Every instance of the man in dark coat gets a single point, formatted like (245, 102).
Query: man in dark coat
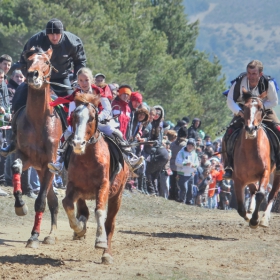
(67, 48)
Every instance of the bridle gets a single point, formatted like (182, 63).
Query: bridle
(264, 114)
(92, 139)
(48, 75)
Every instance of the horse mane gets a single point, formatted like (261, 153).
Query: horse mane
(92, 98)
(32, 51)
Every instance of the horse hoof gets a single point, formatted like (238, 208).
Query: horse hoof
(21, 211)
(107, 259)
(248, 217)
(101, 245)
(264, 223)
(34, 244)
(77, 237)
(252, 225)
(50, 240)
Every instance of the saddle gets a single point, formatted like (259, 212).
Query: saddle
(115, 153)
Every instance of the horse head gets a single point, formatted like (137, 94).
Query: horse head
(253, 113)
(85, 121)
(39, 66)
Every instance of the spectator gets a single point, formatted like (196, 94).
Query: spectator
(175, 147)
(122, 101)
(5, 65)
(193, 129)
(165, 175)
(216, 173)
(100, 82)
(225, 194)
(179, 124)
(158, 155)
(134, 104)
(16, 79)
(187, 162)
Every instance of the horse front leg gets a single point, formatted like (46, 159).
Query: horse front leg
(102, 195)
(253, 190)
(264, 222)
(254, 221)
(78, 225)
(21, 208)
(53, 206)
(114, 204)
(46, 178)
(240, 199)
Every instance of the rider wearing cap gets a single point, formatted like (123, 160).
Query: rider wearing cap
(67, 48)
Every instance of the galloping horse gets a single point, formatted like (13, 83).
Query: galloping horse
(38, 132)
(252, 162)
(89, 177)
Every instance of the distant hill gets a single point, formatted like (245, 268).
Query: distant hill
(237, 31)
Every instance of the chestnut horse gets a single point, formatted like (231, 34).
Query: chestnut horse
(38, 132)
(252, 162)
(89, 177)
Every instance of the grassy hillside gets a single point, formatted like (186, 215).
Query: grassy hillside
(238, 31)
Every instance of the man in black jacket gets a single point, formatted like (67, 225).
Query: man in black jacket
(67, 48)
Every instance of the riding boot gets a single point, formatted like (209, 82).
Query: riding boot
(57, 167)
(228, 168)
(227, 159)
(131, 159)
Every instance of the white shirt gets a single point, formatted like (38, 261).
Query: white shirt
(269, 102)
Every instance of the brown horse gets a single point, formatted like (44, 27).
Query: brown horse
(38, 132)
(252, 162)
(89, 177)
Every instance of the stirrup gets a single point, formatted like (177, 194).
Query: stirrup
(228, 174)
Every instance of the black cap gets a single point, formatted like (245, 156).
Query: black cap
(54, 26)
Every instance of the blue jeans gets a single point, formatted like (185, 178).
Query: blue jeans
(185, 184)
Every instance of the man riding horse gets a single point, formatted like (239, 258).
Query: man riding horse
(67, 49)
(254, 82)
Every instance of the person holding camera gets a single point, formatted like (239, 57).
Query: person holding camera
(216, 173)
(186, 162)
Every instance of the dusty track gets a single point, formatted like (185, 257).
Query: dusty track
(154, 239)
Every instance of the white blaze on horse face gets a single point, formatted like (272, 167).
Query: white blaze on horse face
(79, 142)
(253, 112)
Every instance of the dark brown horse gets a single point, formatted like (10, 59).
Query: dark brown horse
(38, 132)
(89, 177)
(252, 162)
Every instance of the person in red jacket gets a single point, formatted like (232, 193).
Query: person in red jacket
(109, 128)
(121, 108)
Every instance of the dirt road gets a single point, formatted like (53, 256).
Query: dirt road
(154, 239)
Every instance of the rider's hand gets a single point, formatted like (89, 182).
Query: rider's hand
(2, 110)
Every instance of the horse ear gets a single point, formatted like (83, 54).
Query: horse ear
(32, 56)
(263, 95)
(49, 52)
